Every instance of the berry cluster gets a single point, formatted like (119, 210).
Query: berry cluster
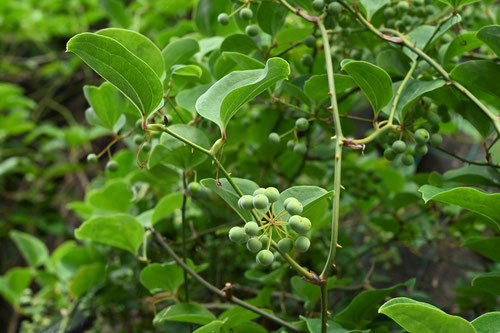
(362, 183)
(246, 14)
(258, 236)
(299, 148)
(405, 15)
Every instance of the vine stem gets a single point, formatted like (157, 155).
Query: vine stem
(400, 90)
(216, 290)
(337, 176)
(183, 233)
(398, 38)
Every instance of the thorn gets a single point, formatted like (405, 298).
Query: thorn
(334, 265)
(328, 313)
(326, 324)
(330, 107)
(330, 93)
(334, 137)
(338, 245)
(342, 187)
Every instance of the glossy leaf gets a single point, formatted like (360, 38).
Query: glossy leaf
(115, 63)
(487, 247)
(162, 277)
(32, 249)
(478, 74)
(461, 44)
(184, 312)
(372, 6)
(115, 196)
(186, 70)
(418, 317)
(179, 51)
(213, 327)
(375, 83)
(489, 282)
(487, 323)
(86, 277)
(226, 96)
(13, 283)
(271, 16)
(187, 97)
(491, 36)
(166, 206)
(121, 231)
(469, 198)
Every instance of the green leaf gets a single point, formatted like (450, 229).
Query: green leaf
(213, 327)
(13, 284)
(314, 326)
(363, 308)
(487, 323)
(240, 43)
(316, 87)
(226, 96)
(457, 3)
(187, 97)
(487, 247)
(271, 17)
(229, 195)
(237, 315)
(305, 290)
(86, 277)
(442, 29)
(115, 9)
(120, 230)
(115, 63)
(461, 44)
(173, 151)
(308, 196)
(179, 51)
(141, 46)
(375, 83)
(184, 312)
(393, 61)
(33, 250)
(186, 70)
(491, 36)
(478, 74)
(418, 317)
(489, 282)
(166, 206)
(162, 277)
(231, 61)
(115, 196)
(372, 6)
(469, 198)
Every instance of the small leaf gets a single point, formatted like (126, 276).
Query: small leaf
(489, 282)
(213, 327)
(372, 6)
(179, 51)
(115, 63)
(418, 317)
(469, 198)
(186, 70)
(487, 323)
(231, 61)
(162, 277)
(33, 250)
(166, 206)
(115, 196)
(13, 284)
(271, 17)
(188, 313)
(240, 43)
(491, 36)
(375, 83)
(226, 96)
(86, 277)
(316, 87)
(121, 231)
(487, 247)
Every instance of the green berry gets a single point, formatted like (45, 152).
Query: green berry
(246, 202)
(237, 234)
(138, 124)
(307, 60)
(309, 305)
(138, 139)
(389, 12)
(272, 194)
(407, 159)
(223, 19)
(421, 136)
(264, 240)
(433, 118)
(92, 158)
(265, 258)
(402, 6)
(285, 245)
(294, 207)
(334, 8)
(318, 5)
(246, 14)
(421, 150)
(300, 149)
(194, 187)
(288, 200)
(310, 41)
(407, 20)
(146, 147)
(260, 190)
(274, 138)
(302, 244)
(344, 21)
(112, 166)
(294, 223)
(302, 124)
(251, 228)
(399, 146)
(260, 201)
(290, 144)
(436, 140)
(252, 30)
(254, 245)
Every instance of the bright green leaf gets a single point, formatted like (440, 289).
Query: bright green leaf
(13, 283)
(86, 277)
(33, 250)
(186, 70)
(179, 51)
(308, 196)
(166, 206)
(491, 36)
(316, 87)
(461, 44)
(457, 3)
(271, 16)
(372, 6)
(187, 97)
(162, 277)
(115, 196)
(188, 313)
(213, 327)
(487, 323)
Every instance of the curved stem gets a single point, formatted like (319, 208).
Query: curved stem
(400, 90)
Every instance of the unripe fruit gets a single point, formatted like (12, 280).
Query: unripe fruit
(407, 159)
(307, 60)
(344, 21)
(194, 187)
(300, 149)
(421, 136)
(246, 14)
(421, 150)
(274, 138)
(436, 140)
(223, 19)
(92, 158)
(272, 194)
(302, 244)
(389, 12)
(318, 5)
(264, 240)
(433, 118)
(138, 124)
(260, 190)
(237, 234)
(254, 245)
(265, 258)
(112, 166)
(290, 144)
(251, 228)
(285, 245)
(146, 147)
(138, 139)
(246, 202)
(334, 8)
(294, 207)
(310, 41)
(302, 124)
(403, 6)
(252, 30)
(309, 305)
(288, 200)
(399, 146)
(389, 154)
(294, 222)
(260, 201)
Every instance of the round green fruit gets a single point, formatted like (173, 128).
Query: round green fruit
(223, 19)
(310, 41)
(302, 244)
(300, 149)
(334, 8)
(254, 245)
(402, 6)
(246, 14)
(436, 140)
(302, 124)
(264, 240)
(138, 124)
(112, 166)
(251, 228)
(246, 202)
(433, 118)
(260, 201)
(285, 245)
(318, 5)
(92, 158)
(389, 154)
(194, 187)
(307, 60)
(407, 160)
(265, 258)
(421, 136)
(146, 147)
(272, 194)
(421, 150)
(287, 201)
(294, 222)
(260, 190)
(138, 139)
(399, 146)
(252, 30)
(290, 144)
(294, 207)
(274, 138)
(389, 12)
(237, 234)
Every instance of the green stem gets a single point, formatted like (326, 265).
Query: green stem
(400, 90)
(324, 306)
(183, 233)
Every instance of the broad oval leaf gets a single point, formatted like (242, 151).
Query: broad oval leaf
(115, 196)
(32, 249)
(487, 247)
(316, 87)
(179, 51)
(375, 83)
(418, 317)
(14, 282)
(487, 323)
(213, 327)
(120, 230)
(226, 96)
(115, 63)
(188, 313)
(271, 16)
(491, 36)
(162, 277)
